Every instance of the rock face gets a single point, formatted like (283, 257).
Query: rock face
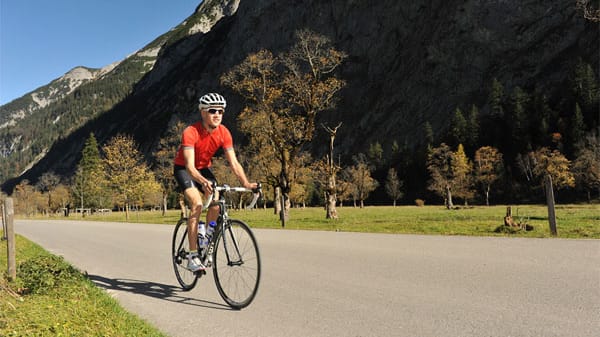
(410, 62)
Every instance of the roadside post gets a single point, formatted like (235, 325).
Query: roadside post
(550, 202)
(3, 214)
(10, 235)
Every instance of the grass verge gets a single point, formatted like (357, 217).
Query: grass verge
(51, 298)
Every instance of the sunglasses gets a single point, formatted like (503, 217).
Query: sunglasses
(214, 111)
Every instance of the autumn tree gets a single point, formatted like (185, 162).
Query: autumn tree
(284, 94)
(28, 200)
(393, 185)
(303, 176)
(462, 178)
(344, 186)
(47, 183)
(554, 164)
(586, 166)
(127, 174)
(362, 180)
(163, 160)
(61, 197)
(488, 165)
(439, 165)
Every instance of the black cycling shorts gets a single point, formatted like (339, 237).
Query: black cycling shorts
(185, 181)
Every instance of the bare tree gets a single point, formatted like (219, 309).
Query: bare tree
(393, 185)
(332, 169)
(590, 12)
(363, 182)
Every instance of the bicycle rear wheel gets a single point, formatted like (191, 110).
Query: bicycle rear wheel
(180, 248)
(236, 264)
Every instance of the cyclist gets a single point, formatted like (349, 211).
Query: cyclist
(200, 141)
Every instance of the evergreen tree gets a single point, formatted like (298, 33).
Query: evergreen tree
(376, 154)
(458, 128)
(88, 182)
(496, 99)
(428, 132)
(518, 122)
(577, 127)
(585, 88)
(472, 138)
(539, 120)
(494, 122)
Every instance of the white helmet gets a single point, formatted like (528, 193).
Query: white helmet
(212, 99)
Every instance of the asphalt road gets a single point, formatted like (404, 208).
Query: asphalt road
(349, 284)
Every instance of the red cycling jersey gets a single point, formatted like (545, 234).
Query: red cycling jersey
(205, 144)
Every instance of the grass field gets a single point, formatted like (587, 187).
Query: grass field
(573, 221)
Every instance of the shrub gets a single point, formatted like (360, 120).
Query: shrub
(43, 273)
(420, 202)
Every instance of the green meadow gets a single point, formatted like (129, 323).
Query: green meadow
(573, 221)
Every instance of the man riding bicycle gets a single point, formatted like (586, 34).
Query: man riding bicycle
(199, 143)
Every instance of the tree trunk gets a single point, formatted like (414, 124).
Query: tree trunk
(164, 204)
(276, 201)
(284, 212)
(331, 211)
(331, 196)
(487, 196)
(449, 204)
(181, 206)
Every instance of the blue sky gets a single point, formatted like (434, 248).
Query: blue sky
(41, 40)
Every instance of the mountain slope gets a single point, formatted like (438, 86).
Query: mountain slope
(409, 63)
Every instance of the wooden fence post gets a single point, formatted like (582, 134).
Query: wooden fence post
(4, 237)
(550, 201)
(10, 234)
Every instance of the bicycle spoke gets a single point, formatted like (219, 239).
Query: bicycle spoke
(237, 265)
(179, 250)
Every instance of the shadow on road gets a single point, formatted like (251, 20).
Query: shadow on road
(152, 289)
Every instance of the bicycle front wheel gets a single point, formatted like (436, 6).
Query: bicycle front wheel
(180, 248)
(236, 264)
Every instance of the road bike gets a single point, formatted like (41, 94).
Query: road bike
(232, 253)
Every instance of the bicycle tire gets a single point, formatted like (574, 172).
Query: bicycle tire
(180, 247)
(237, 281)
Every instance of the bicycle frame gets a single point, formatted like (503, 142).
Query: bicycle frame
(223, 224)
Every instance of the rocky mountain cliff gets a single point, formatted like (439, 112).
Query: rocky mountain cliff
(409, 63)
